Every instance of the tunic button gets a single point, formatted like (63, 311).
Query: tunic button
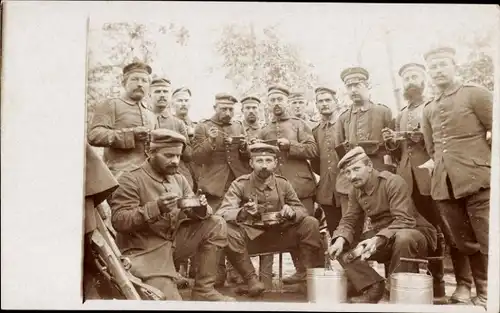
(444, 141)
(444, 151)
(329, 168)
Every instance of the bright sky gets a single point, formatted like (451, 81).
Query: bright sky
(328, 35)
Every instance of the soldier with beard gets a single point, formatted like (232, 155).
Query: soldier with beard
(121, 125)
(412, 153)
(456, 126)
(298, 105)
(264, 214)
(160, 96)
(153, 231)
(296, 145)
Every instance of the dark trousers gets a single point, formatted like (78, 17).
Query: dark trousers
(406, 243)
(333, 215)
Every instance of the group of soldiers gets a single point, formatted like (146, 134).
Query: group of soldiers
(422, 180)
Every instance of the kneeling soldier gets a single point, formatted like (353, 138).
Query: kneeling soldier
(399, 231)
(264, 214)
(153, 231)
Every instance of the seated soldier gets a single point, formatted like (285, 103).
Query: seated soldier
(398, 230)
(153, 232)
(264, 214)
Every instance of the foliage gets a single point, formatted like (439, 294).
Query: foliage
(255, 61)
(115, 45)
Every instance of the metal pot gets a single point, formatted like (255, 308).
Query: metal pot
(271, 218)
(326, 285)
(411, 288)
(186, 203)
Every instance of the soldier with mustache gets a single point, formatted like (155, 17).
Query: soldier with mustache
(297, 146)
(456, 126)
(264, 214)
(160, 96)
(412, 154)
(250, 108)
(153, 231)
(121, 125)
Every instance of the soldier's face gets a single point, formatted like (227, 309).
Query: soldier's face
(182, 102)
(137, 85)
(298, 107)
(413, 84)
(224, 111)
(358, 92)
(250, 112)
(164, 161)
(441, 70)
(160, 95)
(358, 173)
(263, 165)
(278, 102)
(325, 102)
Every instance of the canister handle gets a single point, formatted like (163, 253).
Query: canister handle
(423, 261)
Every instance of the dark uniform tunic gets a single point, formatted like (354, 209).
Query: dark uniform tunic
(112, 127)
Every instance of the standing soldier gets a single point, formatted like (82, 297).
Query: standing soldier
(250, 107)
(121, 125)
(411, 148)
(325, 165)
(160, 95)
(457, 126)
(154, 232)
(264, 214)
(219, 146)
(296, 146)
(298, 105)
(181, 98)
(361, 125)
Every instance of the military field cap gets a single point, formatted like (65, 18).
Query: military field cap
(278, 89)
(160, 82)
(166, 138)
(138, 67)
(225, 98)
(441, 52)
(353, 75)
(250, 99)
(297, 95)
(352, 156)
(411, 66)
(181, 89)
(262, 149)
(321, 89)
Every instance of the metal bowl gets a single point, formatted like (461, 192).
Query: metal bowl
(271, 218)
(191, 202)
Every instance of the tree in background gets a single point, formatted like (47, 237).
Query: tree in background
(255, 61)
(115, 45)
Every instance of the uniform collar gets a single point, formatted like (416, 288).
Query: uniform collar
(414, 105)
(329, 122)
(372, 183)
(365, 107)
(259, 184)
(283, 117)
(165, 115)
(254, 126)
(146, 166)
(129, 102)
(450, 90)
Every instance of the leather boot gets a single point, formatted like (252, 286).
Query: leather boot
(220, 280)
(233, 276)
(182, 282)
(242, 263)
(301, 273)
(463, 277)
(203, 289)
(372, 294)
(436, 268)
(310, 258)
(479, 267)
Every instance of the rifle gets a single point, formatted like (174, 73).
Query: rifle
(115, 267)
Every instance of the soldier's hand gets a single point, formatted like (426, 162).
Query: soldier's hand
(228, 140)
(283, 143)
(251, 208)
(253, 140)
(141, 133)
(488, 137)
(204, 202)
(388, 134)
(212, 133)
(287, 212)
(336, 248)
(416, 136)
(167, 202)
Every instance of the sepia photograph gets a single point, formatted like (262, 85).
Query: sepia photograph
(298, 153)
